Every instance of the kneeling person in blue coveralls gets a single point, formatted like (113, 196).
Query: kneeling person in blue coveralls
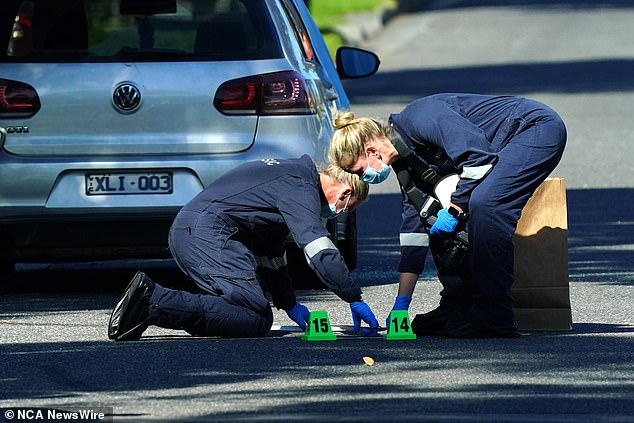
(230, 241)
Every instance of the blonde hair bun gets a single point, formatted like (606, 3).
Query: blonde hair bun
(343, 119)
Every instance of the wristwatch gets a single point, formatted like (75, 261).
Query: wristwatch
(456, 212)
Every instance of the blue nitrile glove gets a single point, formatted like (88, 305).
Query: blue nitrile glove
(445, 223)
(299, 314)
(402, 303)
(361, 312)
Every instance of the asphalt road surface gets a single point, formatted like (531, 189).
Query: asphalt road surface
(576, 56)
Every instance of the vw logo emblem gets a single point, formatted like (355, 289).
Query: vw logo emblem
(126, 98)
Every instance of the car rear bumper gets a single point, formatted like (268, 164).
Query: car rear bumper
(46, 213)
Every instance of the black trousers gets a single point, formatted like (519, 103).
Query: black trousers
(494, 210)
(231, 301)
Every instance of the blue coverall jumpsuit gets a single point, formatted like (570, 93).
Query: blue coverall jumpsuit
(503, 148)
(230, 241)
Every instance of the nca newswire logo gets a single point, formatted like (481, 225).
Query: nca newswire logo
(55, 415)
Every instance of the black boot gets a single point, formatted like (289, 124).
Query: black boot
(131, 314)
(434, 322)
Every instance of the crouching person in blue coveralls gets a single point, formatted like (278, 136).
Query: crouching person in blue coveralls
(502, 148)
(230, 241)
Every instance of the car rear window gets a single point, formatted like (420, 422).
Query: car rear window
(136, 30)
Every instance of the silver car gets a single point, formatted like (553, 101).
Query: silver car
(114, 113)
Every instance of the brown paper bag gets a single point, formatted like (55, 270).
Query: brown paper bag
(541, 289)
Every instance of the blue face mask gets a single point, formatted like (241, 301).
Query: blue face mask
(328, 211)
(373, 176)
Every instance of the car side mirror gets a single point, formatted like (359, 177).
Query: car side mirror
(354, 62)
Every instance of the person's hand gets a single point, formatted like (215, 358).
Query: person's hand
(361, 312)
(445, 223)
(299, 314)
(402, 303)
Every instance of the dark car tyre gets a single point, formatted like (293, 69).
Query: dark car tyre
(345, 231)
(347, 240)
(7, 268)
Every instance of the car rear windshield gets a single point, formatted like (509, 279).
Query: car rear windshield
(135, 30)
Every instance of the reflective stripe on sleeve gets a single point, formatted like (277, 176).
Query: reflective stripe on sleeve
(272, 262)
(414, 240)
(477, 172)
(320, 244)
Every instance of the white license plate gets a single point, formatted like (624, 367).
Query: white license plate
(129, 183)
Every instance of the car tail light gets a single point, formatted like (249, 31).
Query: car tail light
(17, 99)
(279, 93)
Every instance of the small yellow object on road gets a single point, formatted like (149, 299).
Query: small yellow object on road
(368, 361)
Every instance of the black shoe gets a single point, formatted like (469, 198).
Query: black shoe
(434, 322)
(471, 327)
(131, 314)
